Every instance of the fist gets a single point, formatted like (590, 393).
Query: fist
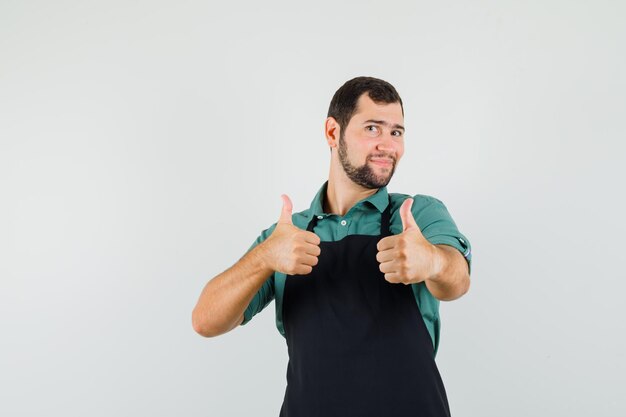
(407, 257)
(291, 250)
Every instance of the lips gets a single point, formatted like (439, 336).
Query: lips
(382, 161)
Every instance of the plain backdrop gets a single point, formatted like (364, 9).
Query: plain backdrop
(144, 145)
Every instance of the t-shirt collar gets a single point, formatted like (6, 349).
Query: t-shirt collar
(380, 200)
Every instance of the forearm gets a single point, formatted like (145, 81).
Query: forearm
(225, 297)
(451, 277)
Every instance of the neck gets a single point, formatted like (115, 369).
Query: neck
(342, 193)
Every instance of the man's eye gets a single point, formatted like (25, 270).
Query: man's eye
(372, 126)
(399, 133)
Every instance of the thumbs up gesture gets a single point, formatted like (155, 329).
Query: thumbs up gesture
(291, 250)
(407, 257)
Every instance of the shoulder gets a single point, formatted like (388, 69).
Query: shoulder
(420, 201)
(426, 210)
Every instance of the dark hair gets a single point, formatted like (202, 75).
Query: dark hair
(343, 105)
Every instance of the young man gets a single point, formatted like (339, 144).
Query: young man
(357, 277)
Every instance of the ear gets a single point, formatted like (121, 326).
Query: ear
(331, 131)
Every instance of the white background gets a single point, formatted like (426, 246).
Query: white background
(144, 145)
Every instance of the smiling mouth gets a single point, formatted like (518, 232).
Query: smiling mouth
(382, 162)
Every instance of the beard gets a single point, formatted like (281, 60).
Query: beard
(364, 175)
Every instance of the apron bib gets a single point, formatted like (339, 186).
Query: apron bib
(357, 344)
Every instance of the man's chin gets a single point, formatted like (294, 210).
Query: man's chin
(382, 181)
(372, 179)
(384, 175)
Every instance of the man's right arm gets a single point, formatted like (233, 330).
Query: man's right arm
(282, 247)
(224, 299)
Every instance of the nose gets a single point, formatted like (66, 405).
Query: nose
(387, 143)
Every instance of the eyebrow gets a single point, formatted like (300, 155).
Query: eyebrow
(384, 123)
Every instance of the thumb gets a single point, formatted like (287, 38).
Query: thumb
(285, 214)
(408, 221)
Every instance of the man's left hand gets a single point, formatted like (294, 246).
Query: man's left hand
(407, 257)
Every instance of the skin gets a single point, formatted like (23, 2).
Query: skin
(354, 175)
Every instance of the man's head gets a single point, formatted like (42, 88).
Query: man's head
(365, 125)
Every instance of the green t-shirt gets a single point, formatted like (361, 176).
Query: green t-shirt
(363, 218)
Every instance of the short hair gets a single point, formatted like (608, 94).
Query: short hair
(343, 104)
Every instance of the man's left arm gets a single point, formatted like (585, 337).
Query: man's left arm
(451, 274)
(429, 249)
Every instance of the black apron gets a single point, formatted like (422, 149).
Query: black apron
(357, 344)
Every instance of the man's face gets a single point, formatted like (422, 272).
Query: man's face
(372, 144)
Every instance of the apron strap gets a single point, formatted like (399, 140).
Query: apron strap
(312, 223)
(385, 218)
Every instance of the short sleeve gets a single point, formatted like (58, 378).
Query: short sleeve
(265, 294)
(439, 228)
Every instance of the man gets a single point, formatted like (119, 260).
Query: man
(357, 277)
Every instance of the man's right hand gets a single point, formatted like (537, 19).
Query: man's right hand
(291, 250)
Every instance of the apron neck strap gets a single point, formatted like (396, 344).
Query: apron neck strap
(385, 218)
